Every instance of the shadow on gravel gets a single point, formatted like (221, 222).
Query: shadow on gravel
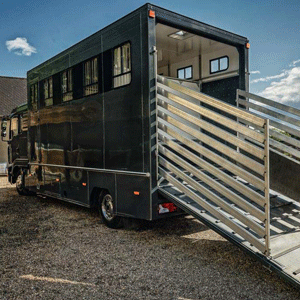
(177, 225)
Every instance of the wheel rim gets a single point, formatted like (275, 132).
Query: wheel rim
(107, 208)
(19, 183)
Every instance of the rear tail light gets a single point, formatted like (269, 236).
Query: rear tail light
(166, 208)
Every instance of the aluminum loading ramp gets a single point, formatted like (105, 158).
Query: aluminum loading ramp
(214, 162)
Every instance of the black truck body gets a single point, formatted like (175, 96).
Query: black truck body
(105, 139)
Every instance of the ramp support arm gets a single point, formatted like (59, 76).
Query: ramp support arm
(267, 187)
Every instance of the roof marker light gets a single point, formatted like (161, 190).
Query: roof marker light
(151, 13)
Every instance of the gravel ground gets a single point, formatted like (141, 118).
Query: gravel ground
(54, 250)
(4, 182)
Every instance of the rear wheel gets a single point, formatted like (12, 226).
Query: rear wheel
(106, 206)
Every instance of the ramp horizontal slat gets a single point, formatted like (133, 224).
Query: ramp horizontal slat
(222, 120)
(230, 195)
(279, 118)
(270, 112)
(281, 126)
(288, 129)
(217, 213)
(217, 159)
(223, 134)
(284, 148)
(269, 102)
(231, 181)
(237, 112)
(284, 138)
(238, 157)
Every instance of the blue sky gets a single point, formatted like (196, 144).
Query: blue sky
(45, 28)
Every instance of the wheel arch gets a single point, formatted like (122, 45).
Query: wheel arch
(94, 197)
(99, 182)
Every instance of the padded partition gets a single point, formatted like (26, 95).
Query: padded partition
(284, 172)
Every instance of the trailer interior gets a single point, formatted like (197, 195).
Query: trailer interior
(197, 62)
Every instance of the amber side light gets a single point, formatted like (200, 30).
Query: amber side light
(136, 193)
(151, 13)
(248, 45)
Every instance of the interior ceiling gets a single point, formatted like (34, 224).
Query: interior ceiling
(170, 48)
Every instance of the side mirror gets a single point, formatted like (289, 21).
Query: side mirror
(3, 128)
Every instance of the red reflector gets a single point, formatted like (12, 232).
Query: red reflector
(248, 45)
(84, 184)
(166, 208)
(136, 193)
(151, 13)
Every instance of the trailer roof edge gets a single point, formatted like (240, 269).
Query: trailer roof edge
(172, 18)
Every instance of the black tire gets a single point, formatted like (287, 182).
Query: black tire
(106, 207)
(20, 184)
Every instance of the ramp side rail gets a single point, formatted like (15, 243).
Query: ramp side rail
(284, 122)
(201, 153)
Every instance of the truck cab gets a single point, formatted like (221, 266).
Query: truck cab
(14, 131)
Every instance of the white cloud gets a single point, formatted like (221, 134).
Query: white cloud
(255, 72)
(285, 90)
(20, 46)
(268, 78)
(294, 63)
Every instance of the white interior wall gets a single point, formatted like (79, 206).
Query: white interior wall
(163, 71)
(232, 54)
(194, 62)
(184, 61)
(174, 54)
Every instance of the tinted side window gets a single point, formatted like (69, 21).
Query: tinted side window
(67, 85)
(24, 122)
(34, 95)
(14, 126)
(91, 77)
(122, 65)
(48, 91)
